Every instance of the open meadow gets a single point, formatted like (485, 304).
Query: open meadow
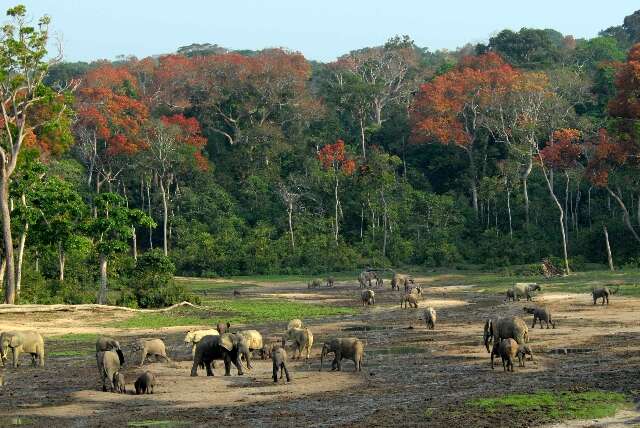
(585, 368)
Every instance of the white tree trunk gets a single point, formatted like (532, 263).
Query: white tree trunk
(10, 282)
(102, 295)
(609, 256)
(62, 258)
(165, 217)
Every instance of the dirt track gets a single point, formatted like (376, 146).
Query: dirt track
(408, 369)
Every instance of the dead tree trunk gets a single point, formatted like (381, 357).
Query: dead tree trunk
(606, 240)
(102, 295)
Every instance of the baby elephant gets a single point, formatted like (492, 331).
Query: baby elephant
(145, 383)
(523, 351)
(430, 318)
(350, 348)
(151, 347)
(119, 383)
(540, 314)
(410, 300)
(508, 350)
(279, 358)
(602, 293)
(368, 297)
(511, 295)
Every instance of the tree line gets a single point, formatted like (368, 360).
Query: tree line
(216, 162)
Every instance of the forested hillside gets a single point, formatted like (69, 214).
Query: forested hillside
(245, 162)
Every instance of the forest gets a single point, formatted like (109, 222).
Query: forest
(118, 175)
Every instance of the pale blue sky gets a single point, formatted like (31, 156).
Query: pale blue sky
(320, 29)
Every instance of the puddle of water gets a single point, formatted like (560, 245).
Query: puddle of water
(154, 423)
(566, 351)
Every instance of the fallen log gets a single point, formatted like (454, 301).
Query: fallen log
(20, 309)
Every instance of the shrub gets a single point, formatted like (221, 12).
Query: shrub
(152, 284)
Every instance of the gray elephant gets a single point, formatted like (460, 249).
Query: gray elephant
(368, 297)
(401, 279)
(279, 358)
(314, 283)
(18, 342)
(151, 347)
(507, 349)
(145, 383)
(525, 289)
(540, 314)
(119, 383)
(430, 317)
(504, 328)
(108, 367)
(366, 277)
(222, 327)
(105, 343)
(227, 347)
(350, 348)
(411, 299)
(302, 339)
(330, 282)
(602, 293)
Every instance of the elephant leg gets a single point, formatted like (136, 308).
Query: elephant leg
(16, 357)
(275, 372)
(208, 367)
(194, 368)
(227, 365)
(238, 365)
(286, 372)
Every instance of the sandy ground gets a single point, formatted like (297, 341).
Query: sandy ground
(408, 371)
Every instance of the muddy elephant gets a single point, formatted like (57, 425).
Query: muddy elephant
(119, 383)
(314, 283)
(400, 279)
(149, 347)
(497, 329)
(302, 339)
(145, 383)
(228, 347)
(368, 297)
(410, 300)
(430, 318)
(602, 293)
(366, 277)
(18, 342)
(279, 359)
(108, 368)
(194, 336)
(223, 327)
(350, 348)
(254, 340)
(524, 289)
(540, 314)
(330, 281)
(294, 323)
(105, 343)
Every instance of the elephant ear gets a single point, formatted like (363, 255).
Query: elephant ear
(120, 356)
(16, 340)
(227, 341)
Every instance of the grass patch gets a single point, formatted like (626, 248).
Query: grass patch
(234, 311)
(76, 337)
(556, 405)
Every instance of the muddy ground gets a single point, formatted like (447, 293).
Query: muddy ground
(411, 376)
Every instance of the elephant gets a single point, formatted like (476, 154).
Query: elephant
(602, 293)
(524, 289)
(401, 279)
(504, 328)
(223, 327)
(368, 297)
(302, 339)
(267, 350)
(314, 283)
(507, 349)
(194, 336)
(119, 383)
(254, 339)
(105, 343)
(365, 278)
(430, 317)
(227, 347)
(151, 347)
(294, 323)
(279, 358)
(145, 383)
(511, 295)
(108, 367)
(523, 351)
(330, 282)
(540, 314)
(411, 299)
(30, 342)
(350, 348)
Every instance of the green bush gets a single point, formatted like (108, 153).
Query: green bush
(152, 284)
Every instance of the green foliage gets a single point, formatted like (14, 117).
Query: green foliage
(556, 405)
(152, 284)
